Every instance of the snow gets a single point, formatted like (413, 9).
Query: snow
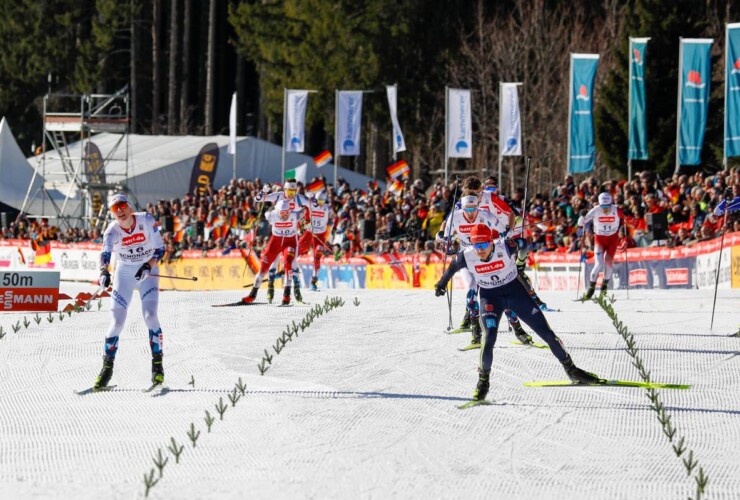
(362, 404)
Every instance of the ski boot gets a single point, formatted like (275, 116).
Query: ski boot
(271, 285)
(521, 335)
(578, 376)
(250, 298)
(481, 391)
(590, 292)
(604, 287)
(465, 325)
(297, 289)
(105, 374)
(477, 332)
(157, 370)
(286, 296)
(315, 284)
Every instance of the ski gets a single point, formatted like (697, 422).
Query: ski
(469, 347)
(534, 344)
(601, 382)
(239, 303)
(91, 390)
(471, 404)
(156, 388)
(457, 330)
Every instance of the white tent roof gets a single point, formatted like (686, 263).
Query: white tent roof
(16, 174)
(159, 167)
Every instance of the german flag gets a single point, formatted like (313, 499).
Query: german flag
(42, 252)
(400, 168)
(315, 187)
(251, 259)
(322, 158)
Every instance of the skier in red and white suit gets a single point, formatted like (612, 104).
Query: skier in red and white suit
(606, 220)
(284, 240)
(314, 238)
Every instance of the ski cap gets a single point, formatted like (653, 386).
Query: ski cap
(290, 185)
(469, 201)
(605, 199)
(283, 206)
(118, 198)
(482, 233)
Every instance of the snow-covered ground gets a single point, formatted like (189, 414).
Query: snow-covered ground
(362, 404)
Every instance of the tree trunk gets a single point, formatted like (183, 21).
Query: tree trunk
(210, 66)
(185, 90)
(155, 65)
(172, 84)
(132, 76)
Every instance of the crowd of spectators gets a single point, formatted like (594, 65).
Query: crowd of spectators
(406, 218)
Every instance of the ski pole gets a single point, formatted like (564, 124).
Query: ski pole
(191, 278)
(719, 262)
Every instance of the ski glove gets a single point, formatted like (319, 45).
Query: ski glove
(439, 289)
(143, 272)
(104, 279)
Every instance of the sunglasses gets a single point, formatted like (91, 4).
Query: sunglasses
(482, 246)
(118, 206)
(469, 210)
(492, 189)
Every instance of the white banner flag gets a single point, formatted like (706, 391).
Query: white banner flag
(459, 126)
(296, 101)
(232, 126)
(398, 143)
(349, 118)
(510, 122)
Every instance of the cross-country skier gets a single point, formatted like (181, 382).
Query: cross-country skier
(314, 238)
(506, 214)
(138, 245)
(459, 224)
(728, 204)
(290, 193)
(607, 220)
(492, 262)
(284, 241)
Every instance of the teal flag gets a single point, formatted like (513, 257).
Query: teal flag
(732, 90)
(694, 77)
(638, 142)
(581, 141)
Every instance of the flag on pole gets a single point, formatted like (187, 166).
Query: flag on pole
(581, 141)
(396, 187)
(295, 120)
(694, 73)
(398, 143)
(322, 158)
(298, 173)
(349, 121)
(638, 142)
(401, 167)
(459, 126)
(232, 126)
(732, 90)
(510, 121)
(315, 187)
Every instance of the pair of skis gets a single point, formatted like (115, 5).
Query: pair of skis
(515, 342)
(156, 389)
(240, 303)
(601, 382)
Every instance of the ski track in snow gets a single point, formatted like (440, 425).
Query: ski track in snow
(362, 404)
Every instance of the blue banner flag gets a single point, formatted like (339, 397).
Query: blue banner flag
(732, 90)
(693, 98)
(638, 142)
(581, 143)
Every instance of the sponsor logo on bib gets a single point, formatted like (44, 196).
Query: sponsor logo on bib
(133, 239)
(489, 267)
(607, 218)
(283, 225)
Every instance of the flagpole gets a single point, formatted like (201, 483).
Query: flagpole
(629, 114)
(570, 113)
(393, 138)
(336, 136)
(285, 124)
(501, 136)
(678, 111)
(447, 126)
(724, 133)
(233, 166)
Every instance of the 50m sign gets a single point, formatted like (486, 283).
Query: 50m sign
(29, 291)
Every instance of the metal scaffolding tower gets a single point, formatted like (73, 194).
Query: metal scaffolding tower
(71, 163)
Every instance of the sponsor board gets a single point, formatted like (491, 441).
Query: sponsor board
(29, 291)
(677, 276)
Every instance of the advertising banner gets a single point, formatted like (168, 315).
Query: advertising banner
(29, 291)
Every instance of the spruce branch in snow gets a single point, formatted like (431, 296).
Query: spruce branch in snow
(25, 322)
(278, 347)
(160, 461)
(37, 319)
(61, 315)
(100, 304)
(192, 434)
(176, 449)
(16, 327)
(234, 396)
(679, 448)
(241, 386)
(209, 421)
(50, 318)
(2, 334)
(192, 381)
(689, 462)
(221, 407)
(356, 302)
(149, 482)
(267, 357)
